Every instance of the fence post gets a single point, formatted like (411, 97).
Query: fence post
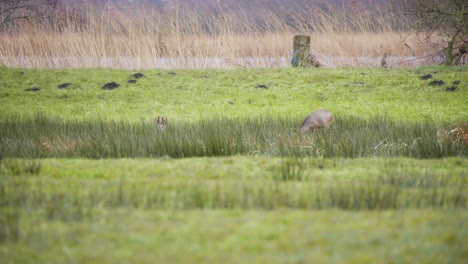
(301, 52)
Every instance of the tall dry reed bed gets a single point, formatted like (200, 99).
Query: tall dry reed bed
(41, 137)
(184, 37)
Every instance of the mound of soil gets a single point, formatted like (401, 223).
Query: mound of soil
(110, 86)
(132, 81)
(426, 77)
(138, 75)
(436, 82)
(64, 85)
(456, 82)
(451, 89)
(261, 86)
(33, 89)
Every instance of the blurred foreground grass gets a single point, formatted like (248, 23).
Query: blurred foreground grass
(372, 210)
(234, 236)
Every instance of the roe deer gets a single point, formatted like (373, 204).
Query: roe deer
(160, 122)
(318, 119)
(457, 135)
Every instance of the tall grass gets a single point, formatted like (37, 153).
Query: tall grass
(27, 203)
(39, 137)
(180, 36)
(74, 199)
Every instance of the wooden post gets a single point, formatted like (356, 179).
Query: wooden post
(301, 49)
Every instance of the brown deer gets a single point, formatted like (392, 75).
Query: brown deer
(160, 122)
(318, 119)
(457, 135)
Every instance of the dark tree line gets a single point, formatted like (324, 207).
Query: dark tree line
(14, 10)
(11, 10)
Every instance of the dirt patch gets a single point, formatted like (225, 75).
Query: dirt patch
(261, 86)
(426, 77)
(436, 83)
(451, 89)
(138, 75)
(64, 85)
(33, 89)
(132, 81)
(110, 86)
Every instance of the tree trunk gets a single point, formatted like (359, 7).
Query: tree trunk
(449, 53)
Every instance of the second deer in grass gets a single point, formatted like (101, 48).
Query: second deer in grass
(318, 119)
(457, 135)
(160, 122)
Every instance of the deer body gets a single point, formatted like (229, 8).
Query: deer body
(456, 135)
(318, 119)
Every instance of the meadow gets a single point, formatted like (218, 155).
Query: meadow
(85, 175)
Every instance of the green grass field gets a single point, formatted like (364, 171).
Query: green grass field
(85, 176)
(191, 95)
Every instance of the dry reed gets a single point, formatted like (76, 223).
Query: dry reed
(184, 38)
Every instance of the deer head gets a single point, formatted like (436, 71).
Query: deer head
(160, 122)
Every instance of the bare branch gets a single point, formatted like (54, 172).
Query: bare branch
(11, 10)
(447, 18)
